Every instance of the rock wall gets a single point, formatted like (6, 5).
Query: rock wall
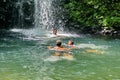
(16, 13)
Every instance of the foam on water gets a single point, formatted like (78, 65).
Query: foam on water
(16, 30)
(58, 58)
(32, 34)
(62, 34)
(52, 58)
(92, 46)
(68, 34)
(42, 34)
(27, 32)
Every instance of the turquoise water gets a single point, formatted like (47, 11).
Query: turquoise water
(24, 58)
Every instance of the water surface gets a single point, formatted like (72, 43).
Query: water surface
(27, 58)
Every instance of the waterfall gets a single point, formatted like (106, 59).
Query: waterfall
(23, 12)
(19, 4)
(48, 14)
(43, 14)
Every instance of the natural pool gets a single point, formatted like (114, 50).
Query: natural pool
(26, 58)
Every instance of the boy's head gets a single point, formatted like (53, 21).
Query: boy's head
(58, 43)
(70, 42)
(55, 31)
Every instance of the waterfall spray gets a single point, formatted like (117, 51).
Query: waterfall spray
(43, 14)
(48, 14)
(19, 4)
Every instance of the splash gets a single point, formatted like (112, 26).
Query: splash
(92, 46)
(58, 58)
(63, 34)
(32, 34)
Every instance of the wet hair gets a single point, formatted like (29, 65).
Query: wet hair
(72, 42)
(58, 43)
(55, 29)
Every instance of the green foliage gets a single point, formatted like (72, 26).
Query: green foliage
(94, 13)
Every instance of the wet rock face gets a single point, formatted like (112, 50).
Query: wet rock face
(4, 18)
(16, 13)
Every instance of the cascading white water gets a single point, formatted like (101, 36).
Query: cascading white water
(48, 14)
(43, 14)
(19, 5)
